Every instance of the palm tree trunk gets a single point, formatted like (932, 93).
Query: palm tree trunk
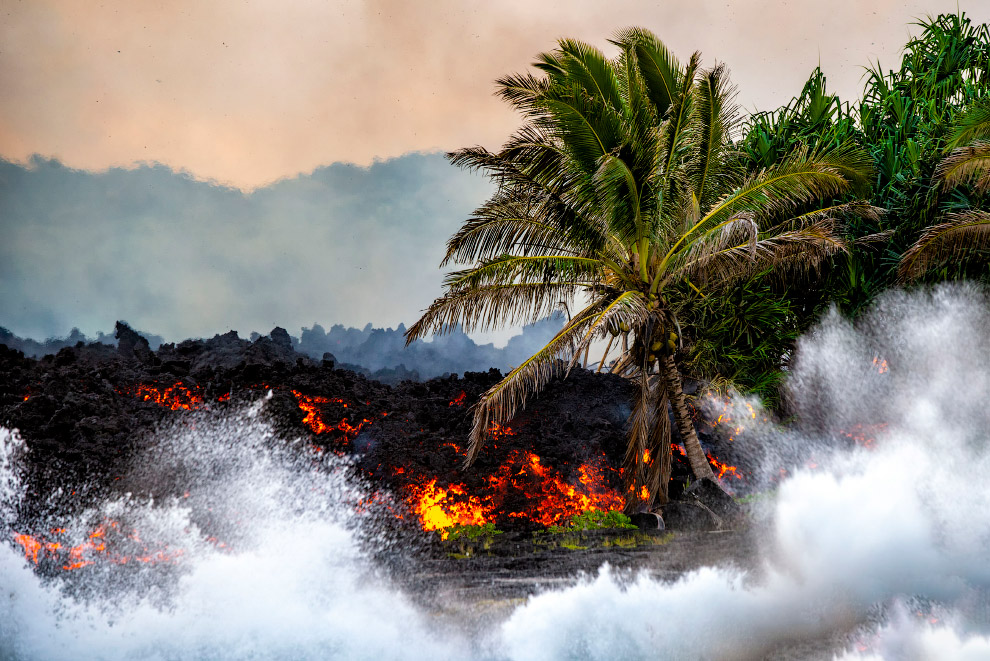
(692, 446)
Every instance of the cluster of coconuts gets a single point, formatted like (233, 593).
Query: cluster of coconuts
(659, 345)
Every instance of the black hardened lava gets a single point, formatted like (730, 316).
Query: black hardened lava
(83, 415)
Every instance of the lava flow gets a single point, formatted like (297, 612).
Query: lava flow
(92, 550)
(175, 397)
(318, 419)
(522, 477)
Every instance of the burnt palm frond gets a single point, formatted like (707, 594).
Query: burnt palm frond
(801, 249)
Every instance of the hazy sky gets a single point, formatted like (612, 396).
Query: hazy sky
(250, 92)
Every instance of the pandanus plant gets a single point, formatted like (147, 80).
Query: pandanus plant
(620, 195)
(965, 233)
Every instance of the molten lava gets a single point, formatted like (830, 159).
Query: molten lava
(459, 400)
(439, 508)
(318, 420)
(92, 550)
(523, 477)
(865, 435)
(175, 397)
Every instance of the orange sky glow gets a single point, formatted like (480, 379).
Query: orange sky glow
(246, 93)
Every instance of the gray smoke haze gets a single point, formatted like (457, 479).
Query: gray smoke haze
(187, 258)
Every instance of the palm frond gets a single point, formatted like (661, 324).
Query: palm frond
(972, 125)
(659, 68)
(961, 234)
(491, 307)
(802, 177)
(501, 402)
(508, 269)
(969, 164)
(716, 116)
(588, 67)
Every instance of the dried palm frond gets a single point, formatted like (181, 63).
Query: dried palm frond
(961, 234)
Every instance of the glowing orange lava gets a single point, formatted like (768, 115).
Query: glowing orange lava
(865, 435)
(92, 550)
(174, 397)
(439, 508)
(721, 470)
(314, 407)
(459, 400)
(497, 431)
(522, 477)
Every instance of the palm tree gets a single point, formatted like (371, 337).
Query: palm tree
(621, 194)
(961, 233)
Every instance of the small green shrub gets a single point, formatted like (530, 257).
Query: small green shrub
(471, 532)
(594, 520)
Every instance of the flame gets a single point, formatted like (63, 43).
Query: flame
(550, 497)
(459, 400)
(646, 456)
(89, 551)
(440, 508)
(721, 469)
(880, 364)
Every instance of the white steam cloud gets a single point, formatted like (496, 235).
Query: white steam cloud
(873, 549)
(861, 531)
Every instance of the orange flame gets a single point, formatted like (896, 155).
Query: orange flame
(551, 497)
(721, 469)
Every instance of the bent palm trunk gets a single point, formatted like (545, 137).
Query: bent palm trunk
(692, 446)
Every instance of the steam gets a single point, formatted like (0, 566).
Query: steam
(870, 550)
(290, 584)
(846, 540)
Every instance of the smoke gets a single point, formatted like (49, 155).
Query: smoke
(376, 349)
(188, 258)
(847, 540)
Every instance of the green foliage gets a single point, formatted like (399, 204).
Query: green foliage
(594, 520)
(460, 532)
(623, 191)
(907, 119)
(742, 336)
